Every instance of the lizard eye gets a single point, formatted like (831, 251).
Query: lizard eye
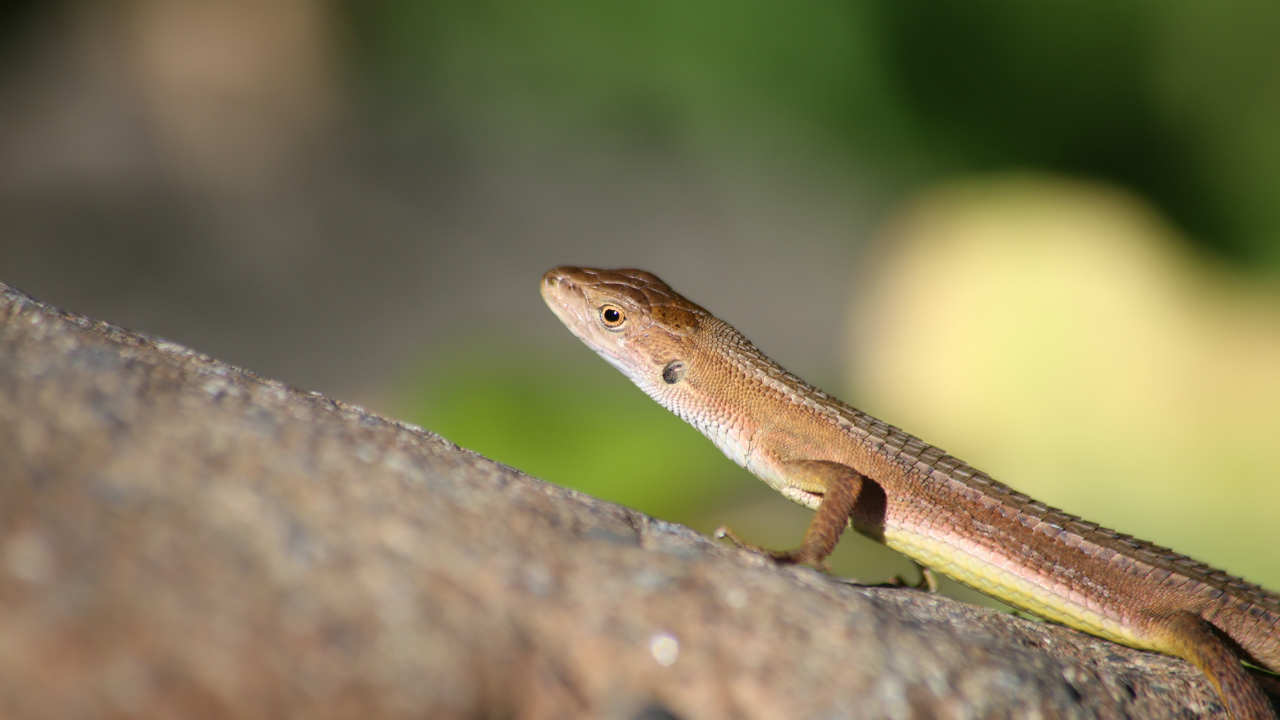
(613, 316)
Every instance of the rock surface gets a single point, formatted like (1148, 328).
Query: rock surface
(181, 538)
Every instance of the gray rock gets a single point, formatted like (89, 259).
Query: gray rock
(182, 538)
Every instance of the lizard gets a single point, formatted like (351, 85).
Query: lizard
(855, 470)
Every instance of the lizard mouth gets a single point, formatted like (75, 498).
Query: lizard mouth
(567, 301)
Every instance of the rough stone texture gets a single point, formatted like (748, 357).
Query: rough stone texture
(181, 538)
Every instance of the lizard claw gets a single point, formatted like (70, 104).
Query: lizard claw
(724, 533)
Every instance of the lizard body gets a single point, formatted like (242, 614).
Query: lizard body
(915, 498)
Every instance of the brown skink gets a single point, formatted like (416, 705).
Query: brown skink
(891, 486)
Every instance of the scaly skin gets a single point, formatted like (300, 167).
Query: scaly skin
(913, 497)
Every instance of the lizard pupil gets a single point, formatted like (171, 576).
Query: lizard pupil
(612, 315)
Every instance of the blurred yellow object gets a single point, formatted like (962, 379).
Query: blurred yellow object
(1062, 337)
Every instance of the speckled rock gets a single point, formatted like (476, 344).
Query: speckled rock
(181, 538)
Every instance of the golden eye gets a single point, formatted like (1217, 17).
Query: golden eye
(612, 316)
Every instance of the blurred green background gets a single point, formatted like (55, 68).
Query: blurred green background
(1043, 235)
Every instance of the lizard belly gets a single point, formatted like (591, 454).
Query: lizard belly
(1017, 586)
(1037, 590)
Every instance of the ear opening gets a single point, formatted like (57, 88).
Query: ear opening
(672, 373)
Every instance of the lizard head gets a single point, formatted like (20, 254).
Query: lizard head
(629, 317)
(692, 363)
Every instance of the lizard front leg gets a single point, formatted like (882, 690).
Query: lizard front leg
(841, 485)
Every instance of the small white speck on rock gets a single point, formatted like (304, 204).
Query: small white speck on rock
(665, 648)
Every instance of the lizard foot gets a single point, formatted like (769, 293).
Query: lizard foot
(799, 556)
